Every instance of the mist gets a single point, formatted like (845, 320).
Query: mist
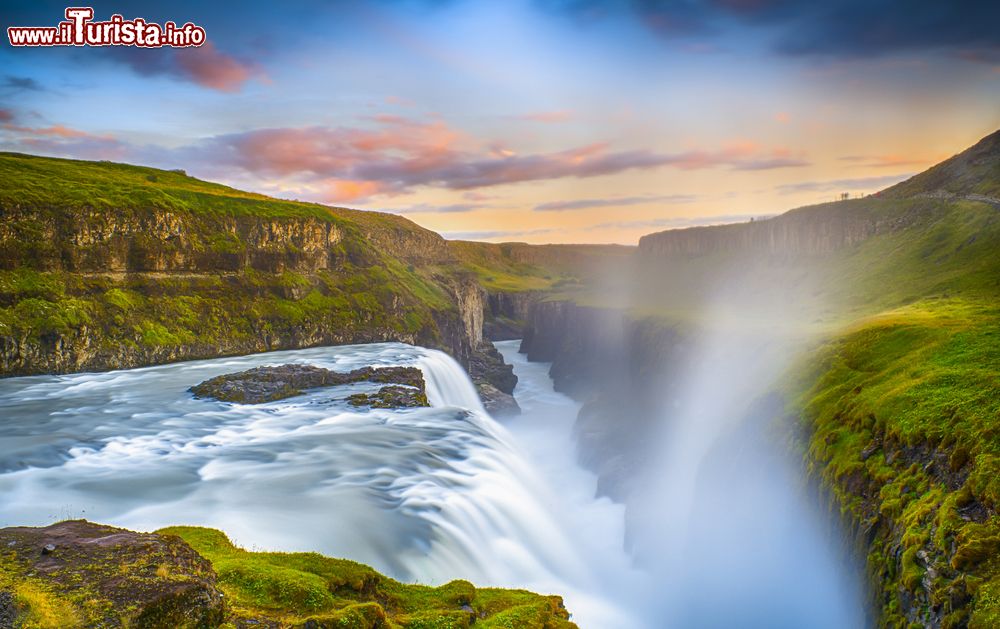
(720, 514)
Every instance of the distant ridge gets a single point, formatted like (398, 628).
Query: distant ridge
(972, 175)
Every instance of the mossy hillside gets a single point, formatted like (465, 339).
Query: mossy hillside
(85, 286)
(132, 320)
(294, 588)
(903, 418)
(520, 267)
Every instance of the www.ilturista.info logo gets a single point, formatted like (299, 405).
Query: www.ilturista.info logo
(79, 29)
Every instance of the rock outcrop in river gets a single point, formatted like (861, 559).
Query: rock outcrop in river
(267, 384)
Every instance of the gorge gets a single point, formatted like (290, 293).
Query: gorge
(787, 422)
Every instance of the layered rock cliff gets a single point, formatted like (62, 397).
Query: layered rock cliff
(816, 230)
(106, 266)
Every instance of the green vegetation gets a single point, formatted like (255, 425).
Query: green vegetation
(187, 577)
(974, 171)
(116, 266)
(518, 267)
(76, 184)
(903, 413)
(293, 588)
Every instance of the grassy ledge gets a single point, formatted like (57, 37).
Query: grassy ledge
(79, 574)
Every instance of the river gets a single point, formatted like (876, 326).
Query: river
(424, 495)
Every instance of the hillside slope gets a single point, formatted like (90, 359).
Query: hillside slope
(106, 265)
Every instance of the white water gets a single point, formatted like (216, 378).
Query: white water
(425, 495)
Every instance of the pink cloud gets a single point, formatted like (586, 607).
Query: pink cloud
(548, 116)
(398, 154)
(210, 68)
(205, 65)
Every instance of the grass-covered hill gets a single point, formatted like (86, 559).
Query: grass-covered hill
(975, 171)
(78, 574)
(106, 265)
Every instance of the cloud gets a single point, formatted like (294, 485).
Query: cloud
(6, 115)
(61, 140)
(859, 183)
(424, 208)
(834, 28)
(583, 204)
(55, 130)
(491, 235)
(548, 116)
(205, 66)
(677, 222)
(859, 28)
(21, 84)
(884, 161)
(393, 155)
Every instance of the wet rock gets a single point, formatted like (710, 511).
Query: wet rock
(108, 577)
(391, 396)
(267, 384)
(496, 402)
(487, 365)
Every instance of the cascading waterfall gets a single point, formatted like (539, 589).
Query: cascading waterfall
(426, 495)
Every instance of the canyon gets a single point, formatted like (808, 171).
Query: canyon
(887, 403)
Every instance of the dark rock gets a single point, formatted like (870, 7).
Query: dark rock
(266, 384)
(8, 612)
(496, 402)
(487, 365)
(127, 579)
(49, 549)
(391, 396)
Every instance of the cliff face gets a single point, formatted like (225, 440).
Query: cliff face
(155, 240)
(816, 230)
(622, 368)
(88, 289)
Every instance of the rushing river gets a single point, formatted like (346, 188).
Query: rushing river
(424, 495)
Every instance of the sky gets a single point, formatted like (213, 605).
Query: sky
(523, 120)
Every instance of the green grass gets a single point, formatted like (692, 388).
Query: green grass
(903, 413)
(76, 184)
(298, 587)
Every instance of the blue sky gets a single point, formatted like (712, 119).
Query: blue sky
(544, 121)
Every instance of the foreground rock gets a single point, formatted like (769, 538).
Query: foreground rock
(77, 573)
(267, 384)
(496, 402)
(495, 381)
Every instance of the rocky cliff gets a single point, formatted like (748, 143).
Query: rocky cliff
(814, 230)
(107, 266)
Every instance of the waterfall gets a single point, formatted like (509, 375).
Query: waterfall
(425, 494)
(447, 383)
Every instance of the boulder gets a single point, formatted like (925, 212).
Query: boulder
(92, 575)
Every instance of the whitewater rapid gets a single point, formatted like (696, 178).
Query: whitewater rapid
(425, 495)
